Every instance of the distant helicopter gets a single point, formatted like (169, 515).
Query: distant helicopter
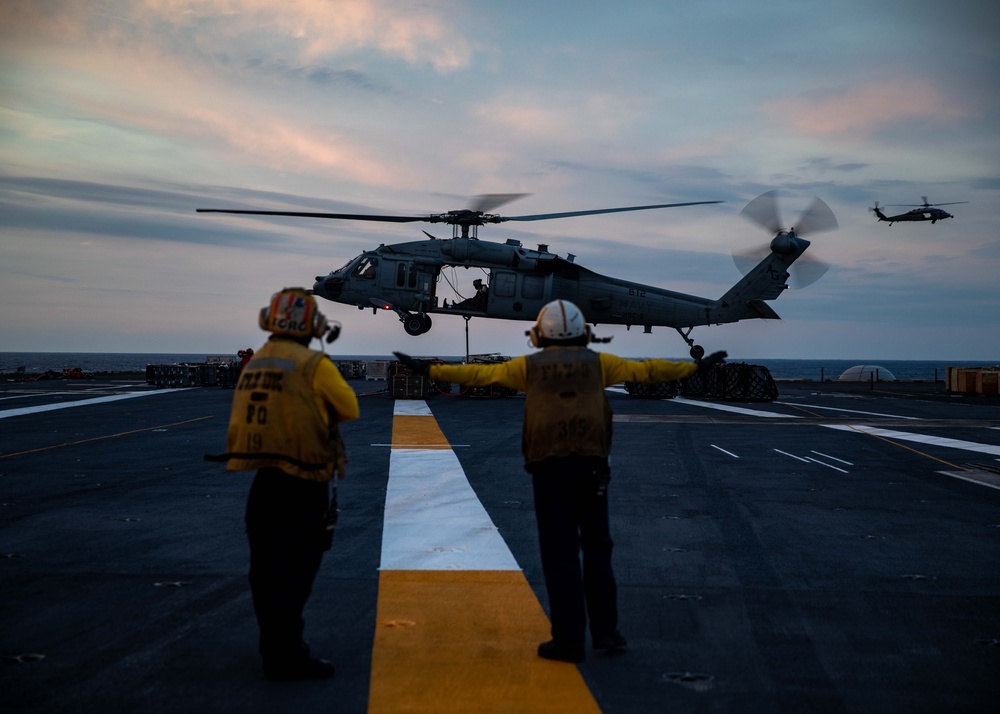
(923, 212)
(403, 277)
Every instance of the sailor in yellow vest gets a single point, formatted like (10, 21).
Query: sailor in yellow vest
(284, 425)
(566, 440)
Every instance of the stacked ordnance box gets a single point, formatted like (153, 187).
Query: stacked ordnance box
(974, 380)
(206, 374)
(404, 383)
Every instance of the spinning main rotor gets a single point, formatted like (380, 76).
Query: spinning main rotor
(463, 219)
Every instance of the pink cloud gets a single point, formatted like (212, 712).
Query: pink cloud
(866, 108)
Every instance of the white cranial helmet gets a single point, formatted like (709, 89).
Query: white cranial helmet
(558, 321)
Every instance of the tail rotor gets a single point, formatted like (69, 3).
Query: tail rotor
(763, 211)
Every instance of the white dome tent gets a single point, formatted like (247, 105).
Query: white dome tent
(867, 373)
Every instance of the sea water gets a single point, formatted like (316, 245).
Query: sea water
(814, 370)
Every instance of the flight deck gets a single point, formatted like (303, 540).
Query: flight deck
(834, 550)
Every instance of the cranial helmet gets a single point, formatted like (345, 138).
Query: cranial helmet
(559, 321)
(293, 312)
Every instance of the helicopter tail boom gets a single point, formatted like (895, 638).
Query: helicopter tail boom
(765, 281)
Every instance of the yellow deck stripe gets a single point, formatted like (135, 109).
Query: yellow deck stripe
(414, 432)
(463, 640)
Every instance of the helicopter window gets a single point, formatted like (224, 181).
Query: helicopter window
(400, 274)
(504, 284)
(366, 268)
(533, 287)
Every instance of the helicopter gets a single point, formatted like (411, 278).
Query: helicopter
(404, 277)
(922, 212)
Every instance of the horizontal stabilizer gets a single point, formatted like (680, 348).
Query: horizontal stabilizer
(763, 310)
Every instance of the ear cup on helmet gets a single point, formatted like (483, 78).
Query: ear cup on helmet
(320, 325)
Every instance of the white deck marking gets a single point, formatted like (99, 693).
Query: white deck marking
(834, 458)
(980, 478)
(433, 518)
(849, 411)
(80, 403)
(411, 407)
(862, 428)
(919, 438)
(724, 451)
(829, 466)
(792, 455)
(735, 410)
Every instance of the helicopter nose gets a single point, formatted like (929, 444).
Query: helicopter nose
(328, 286)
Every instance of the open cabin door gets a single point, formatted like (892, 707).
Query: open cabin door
(414, 284)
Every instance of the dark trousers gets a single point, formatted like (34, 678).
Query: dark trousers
(571, 507)
(285, 525)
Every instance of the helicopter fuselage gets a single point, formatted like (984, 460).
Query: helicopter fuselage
(404, 278)
(933, 215)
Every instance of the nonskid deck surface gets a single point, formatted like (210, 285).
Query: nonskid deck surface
(834, 550)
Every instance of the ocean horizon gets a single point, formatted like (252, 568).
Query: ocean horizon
(816, 370)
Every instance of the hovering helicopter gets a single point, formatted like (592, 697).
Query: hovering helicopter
(922, 212)
(404, 277)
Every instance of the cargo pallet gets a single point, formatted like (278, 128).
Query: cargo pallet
(734, 381)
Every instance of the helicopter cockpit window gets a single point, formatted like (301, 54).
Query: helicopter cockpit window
(366, 269)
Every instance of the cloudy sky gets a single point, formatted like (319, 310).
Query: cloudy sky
(119, 118)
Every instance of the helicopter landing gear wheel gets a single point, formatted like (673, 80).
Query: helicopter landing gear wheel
(696, 351)
(416, 324)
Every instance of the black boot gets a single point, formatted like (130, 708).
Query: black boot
(308, 668)
(563, 653)
(615, 642)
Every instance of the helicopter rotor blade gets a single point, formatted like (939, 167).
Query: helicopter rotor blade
(476, 215)
(763, 211)
(569, 214)
(807, 270)
(925, 204)
(818, 217)
(486, 202)
(747, 260)
(301, 214)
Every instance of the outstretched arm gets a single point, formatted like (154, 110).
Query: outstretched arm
(617, 369)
